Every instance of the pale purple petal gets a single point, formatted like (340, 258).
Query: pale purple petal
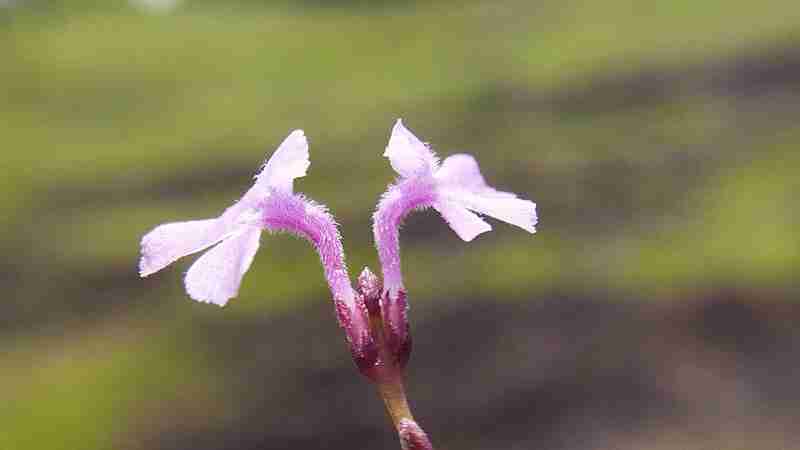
(461, 170)
(289, 161)
(500, 205)
(465, 223)
(460, 181)
(168, 242)
(408, 155)
(215, 277)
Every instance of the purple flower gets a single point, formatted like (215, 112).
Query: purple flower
(454, 188)
(270, 204)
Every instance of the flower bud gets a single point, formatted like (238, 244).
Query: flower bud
(370, 288)
(412, 436)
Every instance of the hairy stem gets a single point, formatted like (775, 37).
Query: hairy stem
(304, 218)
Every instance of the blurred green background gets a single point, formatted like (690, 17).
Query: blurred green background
(656, 308)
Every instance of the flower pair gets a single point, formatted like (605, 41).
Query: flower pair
(454, 188)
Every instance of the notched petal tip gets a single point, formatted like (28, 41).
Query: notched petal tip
(519, 212)
(220, 304)
(534, 218)
(516, 211)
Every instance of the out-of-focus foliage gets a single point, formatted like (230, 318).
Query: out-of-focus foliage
(659, 140)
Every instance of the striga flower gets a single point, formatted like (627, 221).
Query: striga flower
(269, 205)
(272, 205)
(455, 188)
(215, 277)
